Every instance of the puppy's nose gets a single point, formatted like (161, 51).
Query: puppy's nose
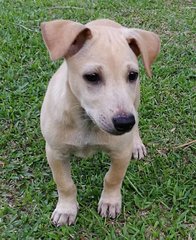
(123, 123)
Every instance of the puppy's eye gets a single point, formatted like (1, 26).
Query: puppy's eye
(132, 76)
(93, 78)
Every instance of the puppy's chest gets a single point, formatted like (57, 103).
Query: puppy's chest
(83, 144)
(84, 151)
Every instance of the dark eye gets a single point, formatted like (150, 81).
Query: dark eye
(132, 76)
(93, 78)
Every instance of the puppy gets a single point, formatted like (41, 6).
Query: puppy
(91, 104)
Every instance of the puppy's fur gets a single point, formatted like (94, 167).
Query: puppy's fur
(91, 103)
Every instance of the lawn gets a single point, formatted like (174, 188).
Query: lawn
(158, 192)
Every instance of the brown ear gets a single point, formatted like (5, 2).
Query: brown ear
(145, 43)
(64, 38)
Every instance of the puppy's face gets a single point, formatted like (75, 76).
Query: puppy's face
(102, 67)
(104, 77)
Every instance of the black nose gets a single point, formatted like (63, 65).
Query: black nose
(124, 123)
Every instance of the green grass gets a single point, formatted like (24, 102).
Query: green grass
(159, 192)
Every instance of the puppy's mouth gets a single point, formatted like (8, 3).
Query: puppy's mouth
(88, 118)
(116, 133)
(91, 122)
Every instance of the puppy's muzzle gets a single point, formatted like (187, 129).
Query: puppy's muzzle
(123, 123)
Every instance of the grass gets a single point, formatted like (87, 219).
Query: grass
(159, 192)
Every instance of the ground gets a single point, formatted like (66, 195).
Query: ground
(158, 192)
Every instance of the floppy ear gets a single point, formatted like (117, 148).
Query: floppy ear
(145, 43)
(64, 38)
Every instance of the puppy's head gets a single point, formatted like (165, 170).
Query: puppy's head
(103, 71)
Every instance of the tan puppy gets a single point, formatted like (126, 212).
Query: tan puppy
(91, 104)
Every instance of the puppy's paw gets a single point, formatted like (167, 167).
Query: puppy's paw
(64, 214)
(139, 150)
(109, 207)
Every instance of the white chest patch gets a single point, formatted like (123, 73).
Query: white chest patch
(84, 144)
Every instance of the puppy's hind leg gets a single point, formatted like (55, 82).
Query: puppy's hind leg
(139, 149)
(66, 208)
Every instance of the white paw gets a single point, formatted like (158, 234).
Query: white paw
(139, 150)
(109, 207)
(64, 214)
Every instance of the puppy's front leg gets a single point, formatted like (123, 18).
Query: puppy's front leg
(66, 209)
(110, 201)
